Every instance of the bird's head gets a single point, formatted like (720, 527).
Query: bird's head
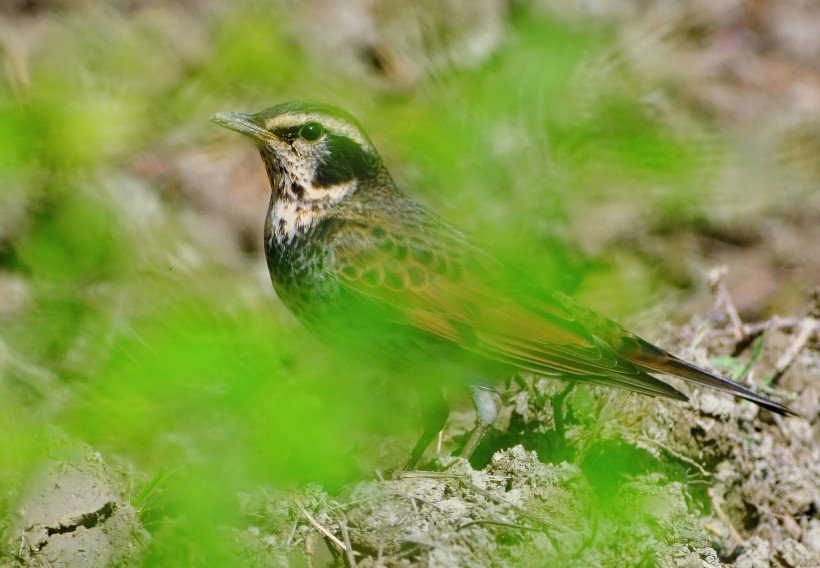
(313, 153)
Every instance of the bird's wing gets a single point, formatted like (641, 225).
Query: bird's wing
(441, 284)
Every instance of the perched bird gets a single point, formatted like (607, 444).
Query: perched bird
(347, 250)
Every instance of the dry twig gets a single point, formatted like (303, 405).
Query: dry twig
(752, 329)
(496, 522)
(724, 518)
(428, 474)
(349, 559)
(325, 532)
(675, 454)
(713, 529)
(716, 282)
(807, 327)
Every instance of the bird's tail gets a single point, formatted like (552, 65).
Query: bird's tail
(649, 358)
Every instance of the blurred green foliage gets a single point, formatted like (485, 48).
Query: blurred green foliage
(180, 368)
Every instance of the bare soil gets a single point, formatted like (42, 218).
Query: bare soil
(713, 482)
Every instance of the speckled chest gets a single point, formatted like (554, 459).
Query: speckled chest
(300, 261)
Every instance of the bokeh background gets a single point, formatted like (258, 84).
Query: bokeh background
(619, 150)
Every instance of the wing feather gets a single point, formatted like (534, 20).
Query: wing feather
(429, 276)
(453, 291)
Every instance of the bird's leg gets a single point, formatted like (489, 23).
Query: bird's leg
(487, 406)
(557, 403)
(435, 411)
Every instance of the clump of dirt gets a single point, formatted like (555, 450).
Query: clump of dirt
(762, 471)
(516, 511)
(72, 514)
(631, 480)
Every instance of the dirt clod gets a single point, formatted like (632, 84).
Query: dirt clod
(71, 515)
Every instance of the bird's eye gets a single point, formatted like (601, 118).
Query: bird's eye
(311, 131)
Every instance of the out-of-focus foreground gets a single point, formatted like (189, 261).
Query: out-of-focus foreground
(159, 406)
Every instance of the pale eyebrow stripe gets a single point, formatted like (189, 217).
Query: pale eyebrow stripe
(333, 124)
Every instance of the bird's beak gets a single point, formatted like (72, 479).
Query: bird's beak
(242, 123)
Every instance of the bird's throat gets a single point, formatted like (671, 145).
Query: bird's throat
(290, 218)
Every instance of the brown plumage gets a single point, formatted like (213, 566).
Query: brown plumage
(340, 236)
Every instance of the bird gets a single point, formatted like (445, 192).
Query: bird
(348, 251)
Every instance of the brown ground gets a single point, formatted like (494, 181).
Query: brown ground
(709, 483)
(714, 482)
